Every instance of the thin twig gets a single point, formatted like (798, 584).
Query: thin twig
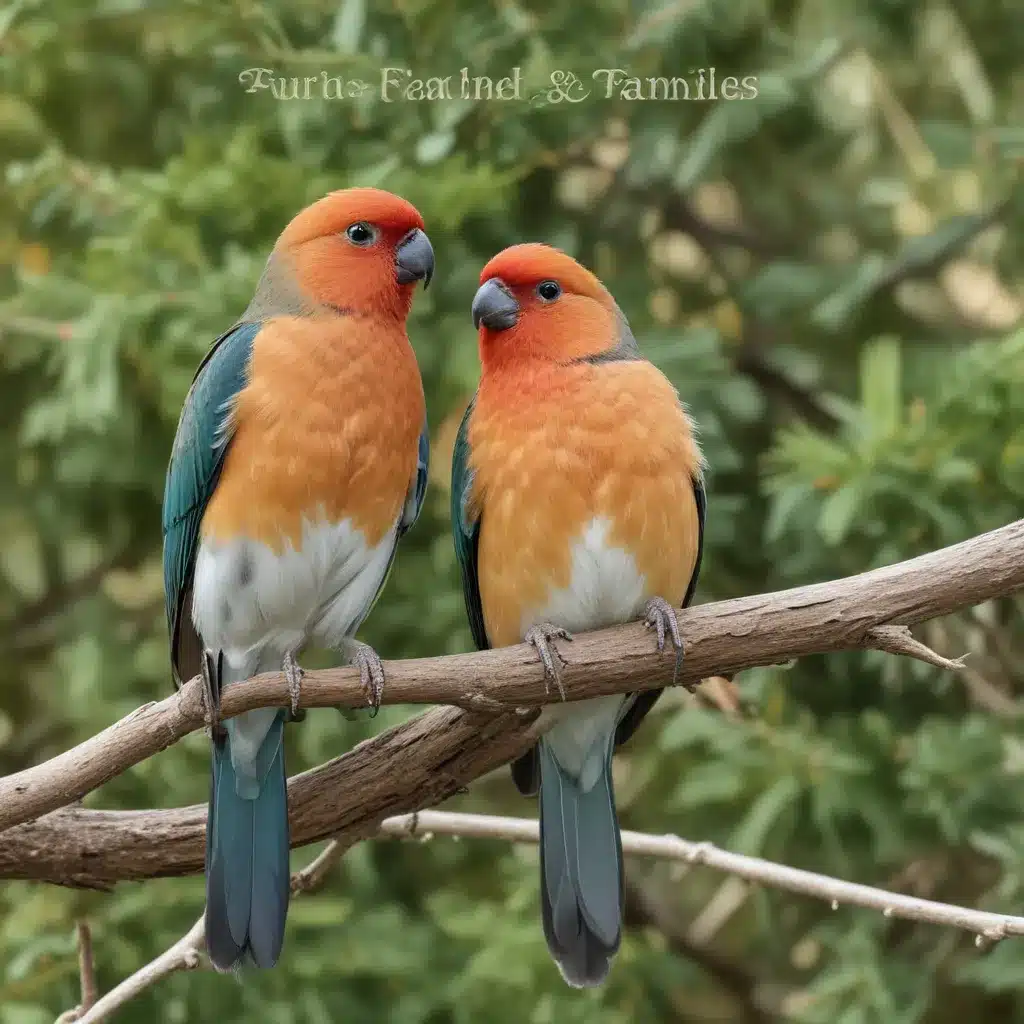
(424, 825)
(184, 955)
(898, 640)
(984, 925)
(728, 898)
(86, 973)
(312, 876)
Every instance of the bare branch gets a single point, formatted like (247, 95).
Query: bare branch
(86, 973)
(313, 875)
(988, 928)
(184, 955)
(763, 872)
(82, 847)
(898, 640)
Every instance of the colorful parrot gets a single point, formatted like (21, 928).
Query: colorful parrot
(577, 502)
(300, 460)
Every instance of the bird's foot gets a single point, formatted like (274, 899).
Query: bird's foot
(211, 698)
(540, 636)
(371, 672)
(660, 616)
(293, 673)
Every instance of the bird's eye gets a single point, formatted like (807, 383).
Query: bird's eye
(361, 234)
(549, 290)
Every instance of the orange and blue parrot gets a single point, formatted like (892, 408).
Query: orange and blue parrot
(300, 460)
(577, 502)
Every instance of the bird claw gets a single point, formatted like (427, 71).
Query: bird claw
(371, 673)
(293, 673)
(540, 637)
(211, 700)
(660, 616)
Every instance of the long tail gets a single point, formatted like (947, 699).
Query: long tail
(580, 870)
(247, 877)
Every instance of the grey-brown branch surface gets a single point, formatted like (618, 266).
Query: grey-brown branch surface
(491, 717)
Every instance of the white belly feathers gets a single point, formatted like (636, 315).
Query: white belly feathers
(255, 604)
(605, 588)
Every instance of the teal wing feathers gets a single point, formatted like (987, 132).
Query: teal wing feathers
(418, 488)
(466, 530)
(204, 432)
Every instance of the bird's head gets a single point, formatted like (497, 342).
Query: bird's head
(359, 248)
(537, 302)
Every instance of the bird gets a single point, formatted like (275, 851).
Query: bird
(300, 460)
(577, 502)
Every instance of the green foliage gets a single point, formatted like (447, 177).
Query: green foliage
(830, 274)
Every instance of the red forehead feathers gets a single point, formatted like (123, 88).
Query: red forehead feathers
(533, 262)
(337, 210)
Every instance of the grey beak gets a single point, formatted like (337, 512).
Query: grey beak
(494, 306)
(414, 258)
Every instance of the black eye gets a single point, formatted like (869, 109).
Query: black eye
(361, 234)
(549, 290)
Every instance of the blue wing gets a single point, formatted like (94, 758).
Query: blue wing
(418, 490)
(204, 432)
(466, 531)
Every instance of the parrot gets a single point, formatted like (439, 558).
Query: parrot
(300, 460)
(577, 502)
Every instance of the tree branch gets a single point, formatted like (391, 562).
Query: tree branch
(87, 976)
(990, 927)
(416, 764)
(431, 757)
(185, 953)
(721, 638)
(493, 688)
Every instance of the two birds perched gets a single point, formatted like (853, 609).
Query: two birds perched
(301, 459)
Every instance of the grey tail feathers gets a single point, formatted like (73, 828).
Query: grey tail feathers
(247, 876)
(581, 880)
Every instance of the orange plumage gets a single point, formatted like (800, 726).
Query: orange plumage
(556, 442)
(577, 502)
(329, 420)
(299, 463)
(555, 446)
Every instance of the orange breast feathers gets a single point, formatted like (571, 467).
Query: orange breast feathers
(554, 447)
(328, 425)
